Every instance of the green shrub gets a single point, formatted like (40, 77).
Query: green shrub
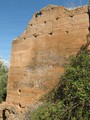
(3, 81)
(71, 99)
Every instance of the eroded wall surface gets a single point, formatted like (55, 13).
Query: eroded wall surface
(40, 53)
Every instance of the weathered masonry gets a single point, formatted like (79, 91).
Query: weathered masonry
(40, 53)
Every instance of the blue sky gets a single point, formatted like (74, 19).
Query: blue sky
(15, 15)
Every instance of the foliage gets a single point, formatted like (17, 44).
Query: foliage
(3, 80)
(71, 99)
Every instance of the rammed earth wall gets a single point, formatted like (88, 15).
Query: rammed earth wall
(40, 53)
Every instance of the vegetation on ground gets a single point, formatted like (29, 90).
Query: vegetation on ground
(3, 80)
(71, 99)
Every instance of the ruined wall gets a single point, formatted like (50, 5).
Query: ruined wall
(40, 53)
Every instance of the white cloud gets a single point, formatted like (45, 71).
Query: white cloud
(6, 62)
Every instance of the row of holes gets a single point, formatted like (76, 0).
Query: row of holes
(35, 35)
(46, 21)
(56, 19)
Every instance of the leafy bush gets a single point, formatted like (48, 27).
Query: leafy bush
(71, 99)
(3, 81)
